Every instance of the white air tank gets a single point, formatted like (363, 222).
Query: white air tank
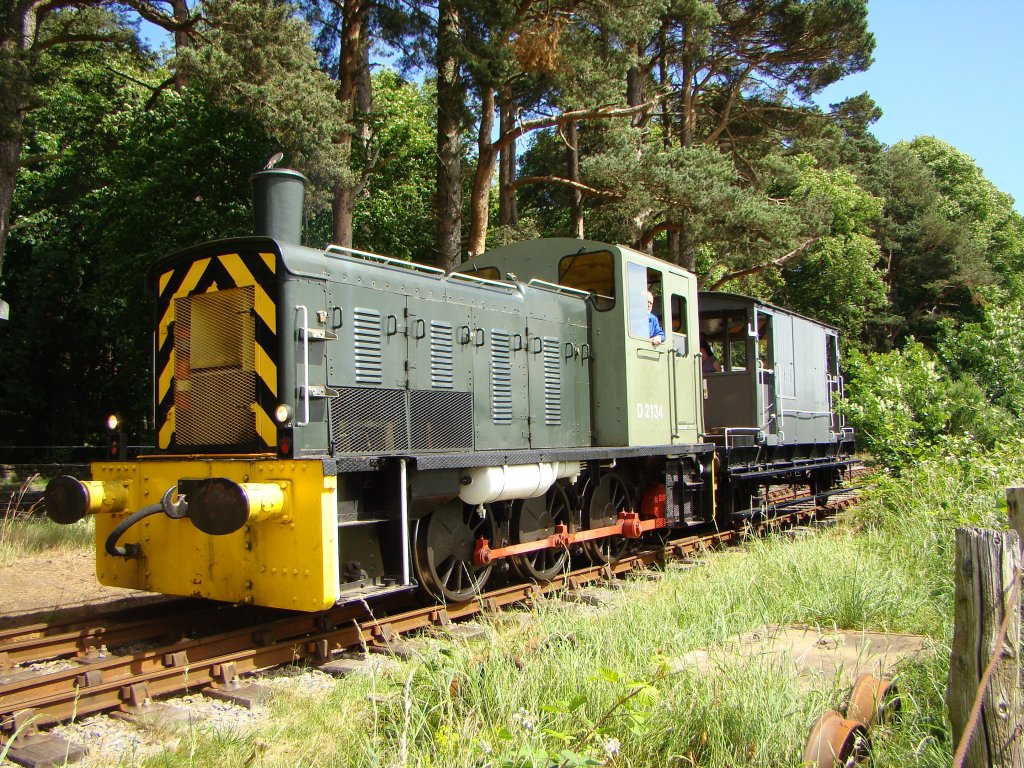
(482, 485)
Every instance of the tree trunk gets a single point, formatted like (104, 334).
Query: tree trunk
(479, 203)
(508, 214)
(450, 102)
(10, 151)
(16, 66)
(675, 251)
(635, 86)
(666, 86)
(182, 39)
(573, 158)
(987, 597)
(673, 240)
(343, 204)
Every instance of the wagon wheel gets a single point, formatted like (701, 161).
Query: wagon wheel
(533, 520)
(609, 497)
(443, 552)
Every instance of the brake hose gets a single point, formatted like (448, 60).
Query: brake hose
(129, 550)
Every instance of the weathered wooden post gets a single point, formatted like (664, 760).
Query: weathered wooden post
(987, 633)
(1015, 511)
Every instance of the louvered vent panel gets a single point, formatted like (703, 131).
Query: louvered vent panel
(214, 376)
(501, 377)
(369, 362)
(441, 420)
(442, 355)
(552, 382)
(369, 420)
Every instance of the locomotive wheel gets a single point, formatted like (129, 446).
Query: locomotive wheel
(535, 519)
(609, 497)
(443, 552)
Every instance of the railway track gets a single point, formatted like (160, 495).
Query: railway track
(106, 671)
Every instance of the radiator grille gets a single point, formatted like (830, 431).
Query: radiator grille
(441, 420)
(374, 420)
(552, 382)
(501, 377)
(442, 355)
(369, 420)
(214, 376)
(369, 357)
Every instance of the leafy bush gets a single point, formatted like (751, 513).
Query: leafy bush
(893, 402)
(993, 351)
(902, 402)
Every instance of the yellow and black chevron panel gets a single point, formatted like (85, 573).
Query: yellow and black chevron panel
(216, 350)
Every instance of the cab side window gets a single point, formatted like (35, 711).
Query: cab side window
(680, 332)
(645, 303)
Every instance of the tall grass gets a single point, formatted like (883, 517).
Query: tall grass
(576, 685)
(22, 534)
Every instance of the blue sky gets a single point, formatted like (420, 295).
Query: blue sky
(953, 71)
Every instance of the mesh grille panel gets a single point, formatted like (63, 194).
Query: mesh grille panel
(501, 377)
(368, 346)
(214, 376)
(216, 408)
(369, 420)
(552, 382)
(441, 420)
(442, 355)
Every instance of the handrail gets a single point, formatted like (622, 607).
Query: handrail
(403, 479)
(510, 287)
(390, 260)
(556, 288)
(305, 365)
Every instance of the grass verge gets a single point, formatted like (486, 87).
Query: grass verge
(22, 533)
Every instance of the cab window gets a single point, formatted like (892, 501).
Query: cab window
(679, 324)
(591, 272)
(646, 313)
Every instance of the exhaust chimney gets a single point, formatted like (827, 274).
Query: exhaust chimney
(277, 204)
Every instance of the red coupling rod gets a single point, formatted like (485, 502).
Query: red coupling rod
(629, 526)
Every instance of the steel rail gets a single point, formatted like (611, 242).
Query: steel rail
(81, 638)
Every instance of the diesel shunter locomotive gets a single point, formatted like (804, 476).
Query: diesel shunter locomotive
(334, 425)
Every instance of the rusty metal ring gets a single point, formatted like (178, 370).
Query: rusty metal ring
(872, 700)
(836, 741)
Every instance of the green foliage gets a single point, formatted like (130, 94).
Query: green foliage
(394, 215)
(893, 402)
(254, 60)
(127, 181)
(991, 351)
(903, 403)
(837, 281)
(949, 236)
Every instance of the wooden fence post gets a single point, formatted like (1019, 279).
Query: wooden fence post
(986, 567)
(1015, 511)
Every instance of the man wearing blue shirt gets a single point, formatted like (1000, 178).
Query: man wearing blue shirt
(654, 329)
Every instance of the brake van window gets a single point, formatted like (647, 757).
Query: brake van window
(592, 272)
(724, 336)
